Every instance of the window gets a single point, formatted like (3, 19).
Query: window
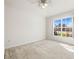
(63, 27)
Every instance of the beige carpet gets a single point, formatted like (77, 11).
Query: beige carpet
(44, 49)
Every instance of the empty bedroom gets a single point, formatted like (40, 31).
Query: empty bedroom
(39, 29)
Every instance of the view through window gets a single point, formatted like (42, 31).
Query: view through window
(63, 27)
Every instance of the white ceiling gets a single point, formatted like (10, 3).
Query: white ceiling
(32, 6)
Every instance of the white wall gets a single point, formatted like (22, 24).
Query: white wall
(23, 26)
(49, 27)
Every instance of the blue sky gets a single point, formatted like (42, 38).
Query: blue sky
(67, 21)
(56, 22)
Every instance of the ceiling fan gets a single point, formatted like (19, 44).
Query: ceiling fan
(41, 3)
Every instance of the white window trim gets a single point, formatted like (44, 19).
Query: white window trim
(61, 26)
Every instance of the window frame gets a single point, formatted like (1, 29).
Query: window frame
(62, 27)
